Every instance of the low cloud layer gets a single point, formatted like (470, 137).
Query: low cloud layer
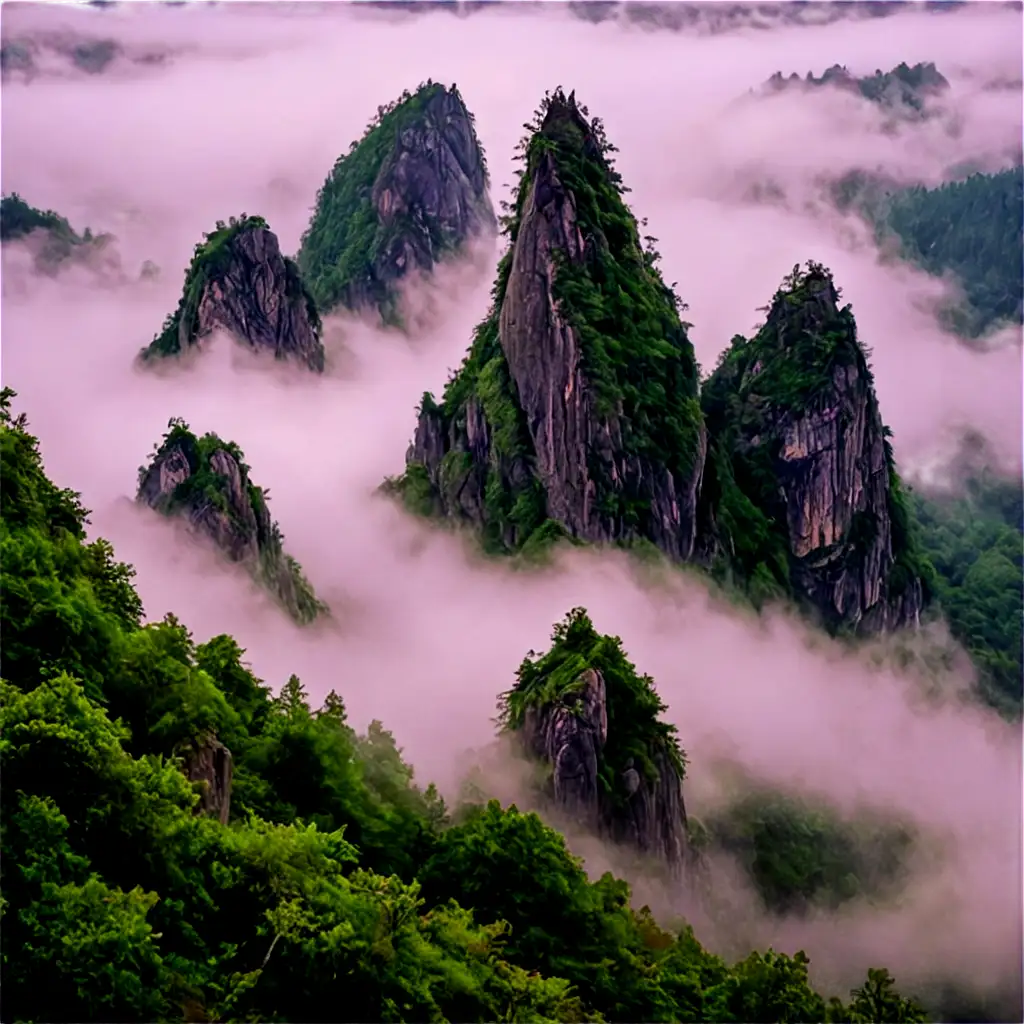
(428, 634)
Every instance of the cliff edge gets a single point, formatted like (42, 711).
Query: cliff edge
(576, 411)
(206, 482)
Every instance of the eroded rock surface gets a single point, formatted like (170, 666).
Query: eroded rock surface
(210, 762)
(240, 282)
(805, 488)
(414, 190)
(205, 482)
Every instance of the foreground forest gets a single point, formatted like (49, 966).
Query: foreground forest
(121, 903)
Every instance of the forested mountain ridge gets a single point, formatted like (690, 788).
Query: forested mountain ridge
(50, 237)
(412, 191)
(330, 894)
(240, 282)
(904, 91)
(972, 229)
(205, 481)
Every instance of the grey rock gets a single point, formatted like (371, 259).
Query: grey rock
(210, 763)
(649, 816)
(257, 295)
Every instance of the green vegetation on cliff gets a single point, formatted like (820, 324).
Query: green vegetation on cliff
(18, 219)
(783, 370)
(635, 729)
(246, 516)
(346, 234)
(211, 258)
(636, 358)
(330, 894)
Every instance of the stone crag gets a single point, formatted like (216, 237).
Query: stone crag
(209, 762)
(621, 781)
(802, 494)
(550, 426)
(412, 191)
(240, 282)
(576, 414)
(205, 481)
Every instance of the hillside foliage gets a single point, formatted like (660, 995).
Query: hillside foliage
(18, 220)
(338, 891)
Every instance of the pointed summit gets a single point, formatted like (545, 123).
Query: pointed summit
(575, 411)
(801, 495)
(412, 191)
(240, 282)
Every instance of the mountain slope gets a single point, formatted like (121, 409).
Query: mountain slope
(801, 493)
(576, 408)
(240, 282)
(410, 192)
(122, 903)
(206, 481)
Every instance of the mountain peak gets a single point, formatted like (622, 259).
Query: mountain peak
(240, 282)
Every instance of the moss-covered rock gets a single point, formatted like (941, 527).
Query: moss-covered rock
(583, 711)
(205, 481)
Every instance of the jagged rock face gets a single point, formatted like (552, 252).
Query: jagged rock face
(429, 197)
(210, 763)
(546, 440)
(794, 412)
(257, 295)
(572, 740)
(212, 493)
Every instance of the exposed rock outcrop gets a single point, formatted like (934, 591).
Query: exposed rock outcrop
(802, 495)
(206, 482)
(209, 762)
(575, 413)
(241, 283)
(623, 781)
(413, 190)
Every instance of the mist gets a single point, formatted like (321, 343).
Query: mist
(249, 115)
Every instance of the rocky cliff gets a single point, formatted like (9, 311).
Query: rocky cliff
(240, 282)
(801, 493)
(412, 191)
(52, 242)
(613, 766)
(206, 482)
(576, 409)
(209, 762)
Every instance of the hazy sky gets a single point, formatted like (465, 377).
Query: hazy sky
(250, 112)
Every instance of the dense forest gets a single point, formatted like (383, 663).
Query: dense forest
(972, 229)
(974, 537)
(338, 890)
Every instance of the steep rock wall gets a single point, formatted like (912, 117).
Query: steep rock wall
(805, 494)
(542, 426)
(240, 282)
(205, 482)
